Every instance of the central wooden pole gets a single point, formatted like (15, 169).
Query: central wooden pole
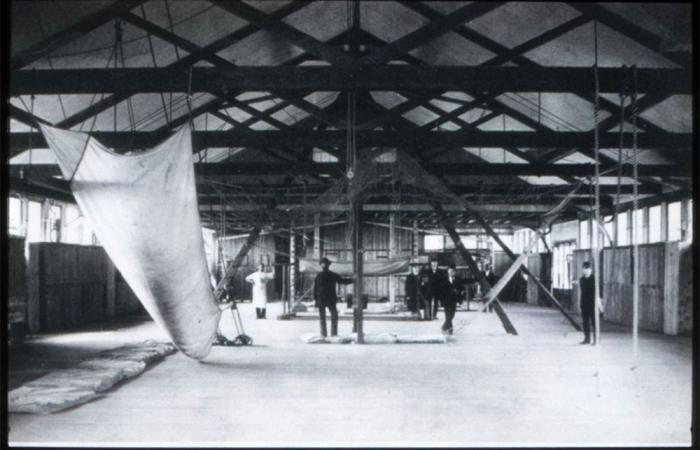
(357, 267)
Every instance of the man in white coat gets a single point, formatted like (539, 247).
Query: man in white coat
(259, 280)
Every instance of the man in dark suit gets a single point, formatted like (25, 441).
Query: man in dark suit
(412, 290)
(587, 299)
(453, 294)
(325, 295)
(436, 286)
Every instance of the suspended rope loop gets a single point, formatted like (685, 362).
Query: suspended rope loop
(635, 307)
(594, 230)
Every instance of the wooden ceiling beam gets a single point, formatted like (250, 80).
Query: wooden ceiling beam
(328, 78)
(445, 169)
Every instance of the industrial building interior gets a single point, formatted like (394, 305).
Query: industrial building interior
(159, 152)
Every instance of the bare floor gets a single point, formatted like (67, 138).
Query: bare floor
(485, 388)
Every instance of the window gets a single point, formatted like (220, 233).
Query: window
(506, 239)
(72, 228)
(622, 234)
(433, 243)
(469, 241)
(14, 212)
(34, 223)
(55, 223)
(609, 226)
(674, 221)
(561, 264)
(584, 234)
(639, 226)
(655, 224)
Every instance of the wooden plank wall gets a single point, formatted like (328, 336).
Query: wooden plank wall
(263, 250)
(685, 290)
(658, 285)
(651, 287)
(617, 284)
(16, 280)
(67, 287)
(579, 257)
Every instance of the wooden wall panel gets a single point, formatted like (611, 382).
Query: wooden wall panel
(68, 287)
(16, 280)
(685, 290)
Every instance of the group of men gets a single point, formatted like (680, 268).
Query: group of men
(428, 288)
(425, 290)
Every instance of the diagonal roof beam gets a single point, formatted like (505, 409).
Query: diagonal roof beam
(63, 37)
(632, 31)
(647, 102)
(25, 117)
(434, 29)
(288, 32)
(499, 49)
(194, 56)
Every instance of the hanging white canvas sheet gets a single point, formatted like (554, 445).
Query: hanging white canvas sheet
(143, 209)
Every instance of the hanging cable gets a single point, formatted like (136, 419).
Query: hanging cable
(595, 231)
(635, 292)
(623, 93)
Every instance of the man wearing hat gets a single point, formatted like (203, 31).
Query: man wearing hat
(325, 295)
(587, 298)
(413, 291)
(454, 293)
(435, 286)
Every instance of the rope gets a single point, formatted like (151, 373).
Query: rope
(594, 237)
(155, 64)
(635, 315)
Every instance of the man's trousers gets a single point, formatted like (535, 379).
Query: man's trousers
(334, 319)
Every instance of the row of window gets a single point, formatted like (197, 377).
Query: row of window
(48, 221)
(648, 223)
(440, 242)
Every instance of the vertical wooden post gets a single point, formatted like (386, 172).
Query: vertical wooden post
(357, 255)
(317, 236)
(628, 231)
(292, 265)
(615, 237)
(685, 206)
(645, 226)
(664, 221)
(393, 281)
(414, 247)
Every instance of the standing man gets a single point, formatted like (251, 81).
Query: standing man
(587, 298)
(454, 291)
(259, 280)
(412, 291)
(436, 281)
(325, 295)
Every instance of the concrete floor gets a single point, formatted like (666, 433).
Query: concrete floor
(485, 388)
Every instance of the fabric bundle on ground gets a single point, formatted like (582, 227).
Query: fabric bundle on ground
(369, 268)
(377, 338)
(66, 388)
(143, 209)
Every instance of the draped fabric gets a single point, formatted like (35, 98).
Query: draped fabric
(143, 209)
(369, 268)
